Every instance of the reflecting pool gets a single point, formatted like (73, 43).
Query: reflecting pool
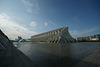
(56, 55)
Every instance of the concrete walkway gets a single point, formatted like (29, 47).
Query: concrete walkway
(92, 60)
(12, 57)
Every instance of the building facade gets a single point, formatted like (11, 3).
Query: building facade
(60, 35)
(83, 39)
(89, 38)
(97, 36)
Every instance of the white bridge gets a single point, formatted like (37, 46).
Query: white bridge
(60, 35)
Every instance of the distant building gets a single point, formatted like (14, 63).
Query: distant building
(83, 38)
(24, 40)
(60, 35)
(17, 40)
(89, 38)
(94, 39)
(97, 36)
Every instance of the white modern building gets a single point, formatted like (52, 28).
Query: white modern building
(60, 35)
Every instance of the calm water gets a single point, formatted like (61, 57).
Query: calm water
(56, 55)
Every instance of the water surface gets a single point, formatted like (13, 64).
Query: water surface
(56, 55)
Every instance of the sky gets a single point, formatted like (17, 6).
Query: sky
(30, 17)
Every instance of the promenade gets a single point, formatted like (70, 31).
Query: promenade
(92, 60)
(10, 56)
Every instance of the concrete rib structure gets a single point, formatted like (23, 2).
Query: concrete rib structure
(60, 35)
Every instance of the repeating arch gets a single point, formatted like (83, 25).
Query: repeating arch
(60, 35)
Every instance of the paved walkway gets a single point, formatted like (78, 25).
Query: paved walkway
(92, 60)
(12, 57)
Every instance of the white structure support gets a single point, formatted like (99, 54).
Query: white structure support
(60, 35)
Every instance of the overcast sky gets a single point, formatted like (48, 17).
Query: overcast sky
(30, 17)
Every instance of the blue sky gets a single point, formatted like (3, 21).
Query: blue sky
(30, 17)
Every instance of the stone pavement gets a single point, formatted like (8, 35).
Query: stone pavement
(10, 56)
(92, 60)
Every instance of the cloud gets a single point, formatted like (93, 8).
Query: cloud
(51, 22)
(86, 32)
(31, 5)
(46, 24)
(33, 24)
(13, 29)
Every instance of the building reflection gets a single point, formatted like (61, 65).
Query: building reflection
(58, 49)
